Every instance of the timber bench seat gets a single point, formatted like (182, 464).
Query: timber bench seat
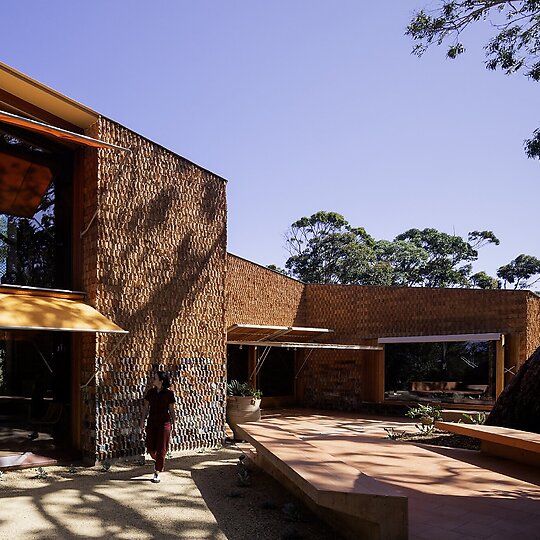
(522, 446)
(362, 507)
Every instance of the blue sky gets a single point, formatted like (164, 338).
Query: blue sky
(302, 105)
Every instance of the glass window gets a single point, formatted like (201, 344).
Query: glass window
(454, 372)
(35, 251)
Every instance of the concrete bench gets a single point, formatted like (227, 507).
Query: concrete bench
(513, 444)
(350, 501)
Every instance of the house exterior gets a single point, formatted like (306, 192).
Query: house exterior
(380, 316)
(145, 240)
(136, 277)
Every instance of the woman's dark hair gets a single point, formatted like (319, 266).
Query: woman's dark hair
(164, 378)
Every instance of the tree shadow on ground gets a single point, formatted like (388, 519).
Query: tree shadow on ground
(262, 510)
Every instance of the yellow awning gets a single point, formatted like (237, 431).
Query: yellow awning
(33, 312)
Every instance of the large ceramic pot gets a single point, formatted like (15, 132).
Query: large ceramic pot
(242, 409)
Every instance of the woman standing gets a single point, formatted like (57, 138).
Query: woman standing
(159, 400)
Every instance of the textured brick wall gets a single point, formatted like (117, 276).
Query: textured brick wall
(88, 281)
(256, 295)
(533, 324)
(159, 246)
(357, 313)
(371, 312)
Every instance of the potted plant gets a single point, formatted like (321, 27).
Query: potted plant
(243, 405)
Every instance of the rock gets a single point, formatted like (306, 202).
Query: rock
(518, 406)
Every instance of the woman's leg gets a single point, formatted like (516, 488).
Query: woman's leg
(162, 444)
(151, 439)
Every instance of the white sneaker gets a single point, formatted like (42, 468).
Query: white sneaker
(156, 478)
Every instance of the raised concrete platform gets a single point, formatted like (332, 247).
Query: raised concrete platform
(514, 444)
(369, 509)
(453, 494)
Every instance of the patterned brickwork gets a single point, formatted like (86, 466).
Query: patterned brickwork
(533, 324)
(360, 314)
(257, 295)
(159, 246)
(357, 313)
(372, 312)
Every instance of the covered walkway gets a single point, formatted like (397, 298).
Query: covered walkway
(452, 493)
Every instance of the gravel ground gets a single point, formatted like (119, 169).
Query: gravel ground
(198, 497)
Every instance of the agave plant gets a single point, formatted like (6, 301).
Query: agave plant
(236, 388)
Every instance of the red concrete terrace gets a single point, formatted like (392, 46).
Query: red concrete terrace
(451, 493)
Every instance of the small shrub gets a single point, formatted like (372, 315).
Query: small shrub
(105, 466)
(479, 418)
(394, 434)
(242, 473)
(425, 430)
(41, 473)
(428, 411)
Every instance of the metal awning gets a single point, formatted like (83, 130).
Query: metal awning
(293, 345)
(30, 310)
(261, 332)
(441, 338)
(259, 335)
(25, 180)
(55, 132)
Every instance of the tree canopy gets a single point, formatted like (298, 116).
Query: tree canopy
(520, 271)
(326, 248)
(513, 47)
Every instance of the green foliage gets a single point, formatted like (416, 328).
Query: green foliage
(428, 410)
(105, 466)
(277, 269)
(482, 281)
(514, 47)
(394, 434)
(33, 244)
(236, 388)
(325, 248)
(520, 271)
(447, 258)
(478, 418)
(425, 430)
(243, 475)
(41, 473)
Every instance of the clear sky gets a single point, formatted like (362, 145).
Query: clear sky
(302, 105)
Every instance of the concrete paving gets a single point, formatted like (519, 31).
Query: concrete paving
(453, 493)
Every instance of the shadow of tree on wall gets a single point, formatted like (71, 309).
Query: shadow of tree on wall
(178, 292)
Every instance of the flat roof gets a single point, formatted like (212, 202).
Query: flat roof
(44, 97)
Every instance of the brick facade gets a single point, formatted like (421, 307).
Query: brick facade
(257, 295)
(154, 262)
(361, 314)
